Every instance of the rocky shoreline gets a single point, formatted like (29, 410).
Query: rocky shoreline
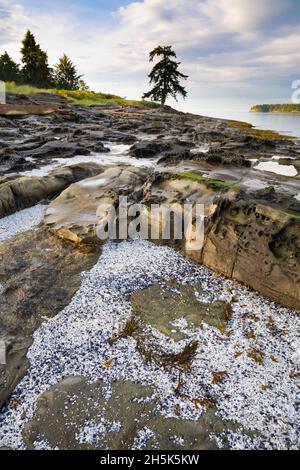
(252, 235)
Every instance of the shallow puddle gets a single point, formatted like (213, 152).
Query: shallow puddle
(118, 155)
(275, 167)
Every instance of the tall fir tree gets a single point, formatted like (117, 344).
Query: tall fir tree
(9, 69)
(165, 76)
(36, 70)
(66, 76)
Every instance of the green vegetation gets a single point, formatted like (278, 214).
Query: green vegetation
(36, 70)
(212, 183)
(276, 108)
(292, 216)
(35, 75)
(91, 98)
(165, 76)
(12, 87)
(79, 96)
(240, 124)
(9, 69)
(65, 75)
(266, 134)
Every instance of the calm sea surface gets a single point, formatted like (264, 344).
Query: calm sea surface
(284, 123)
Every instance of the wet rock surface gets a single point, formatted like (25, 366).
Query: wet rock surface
(159, 306)
(76, 415)
(40, 279)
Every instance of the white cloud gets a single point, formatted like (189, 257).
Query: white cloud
(228, 44)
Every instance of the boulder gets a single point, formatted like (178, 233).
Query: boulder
(57, 149)
(148, 149)
(26, 191)
(258, 246)
(222, 157)
(74, 214)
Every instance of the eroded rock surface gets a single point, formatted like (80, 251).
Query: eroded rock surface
(40, 278)
(256, 243)
(76, 415)
(19, 192)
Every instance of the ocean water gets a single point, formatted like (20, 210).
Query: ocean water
(284, 123)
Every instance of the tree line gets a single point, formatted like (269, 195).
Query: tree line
(35, 70)
(276, 108)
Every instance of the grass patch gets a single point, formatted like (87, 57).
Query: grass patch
(212, 183)
(11, 87)
(292, 216)
(87, 98)
(90, 98)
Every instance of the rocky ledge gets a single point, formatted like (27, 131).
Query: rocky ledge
(56, 169)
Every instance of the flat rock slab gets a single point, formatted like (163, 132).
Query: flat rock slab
(160, 306)
(35, 287)
(25, 110)
(75, 414)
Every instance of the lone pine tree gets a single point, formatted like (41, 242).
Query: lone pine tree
(9, 69)
(165, 76)
(65, 74)
(36, 70)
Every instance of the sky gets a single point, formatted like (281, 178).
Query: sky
(237, 53)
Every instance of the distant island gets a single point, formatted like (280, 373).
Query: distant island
(276, 108)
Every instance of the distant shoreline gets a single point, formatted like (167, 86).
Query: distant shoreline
(276, 108)
(295, 113)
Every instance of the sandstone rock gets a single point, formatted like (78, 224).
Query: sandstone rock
(148, 149)
(73, 215)
(243, 240)
(258, 246)
(25, 110)
(130, 405)
(222, 157)
(167, 150)
(36, 286)
(26, 191)
(57, 150)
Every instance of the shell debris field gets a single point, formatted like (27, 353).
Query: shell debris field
(258, 396)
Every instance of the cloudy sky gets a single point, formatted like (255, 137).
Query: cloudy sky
(236, 52)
